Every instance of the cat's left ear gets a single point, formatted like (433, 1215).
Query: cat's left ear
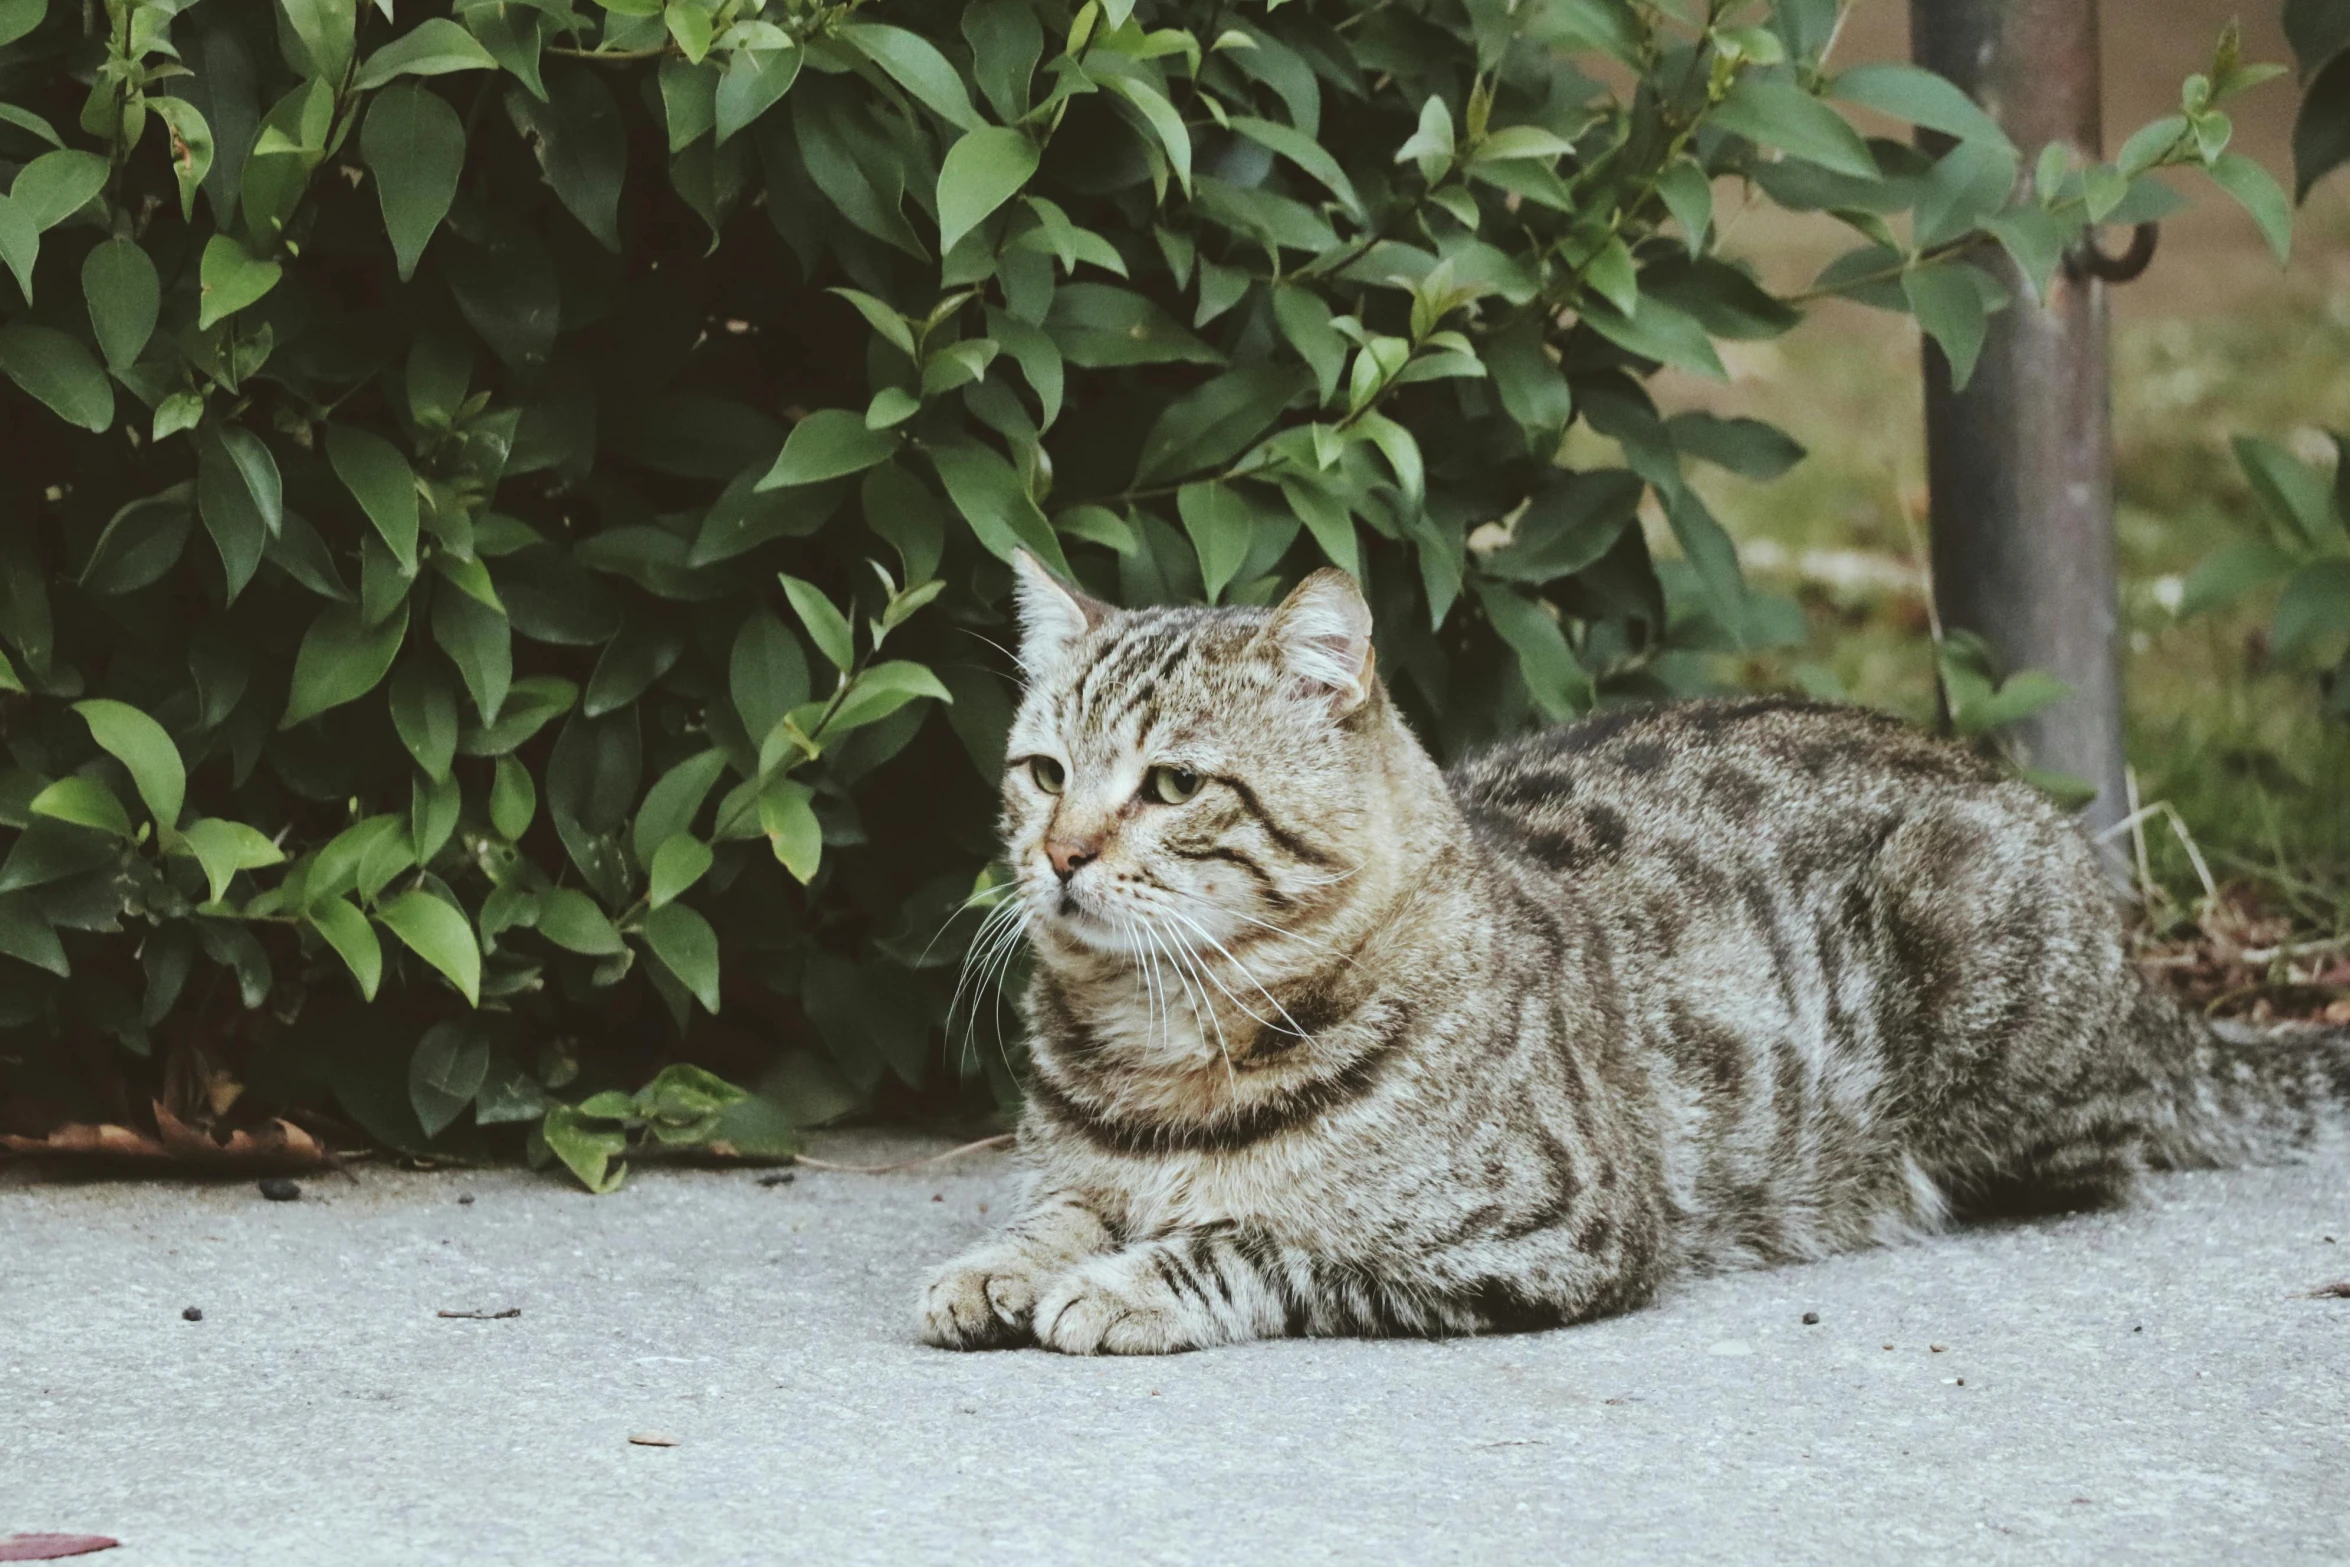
(1053, 615)
(1322, 633)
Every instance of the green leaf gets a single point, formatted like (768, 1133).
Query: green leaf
(788, 817)
(1395, 443)
(917, 66)
(440, 935)
(767, 674)
(674, 800)
(191, 147)
(1659, 331)
(881, 690)
(1165, 123)
(142, 746)
(2230, 572)
(1431, 142)
(1305, 152)
(1747, 447)
(630, 663)
(755, 80)
(415, 145)
(536, 701)
(677, 865)
(480, 642)
(27, 935)
(2260, 195)
(2036, 238)
(827, 627)
(432, 48)
(686, 945)
(231, 279)
(1689, 196)
(19, 17)
(446, 1070)
(56, 185)
(1950, 308)
(514, 799)
(827, 444)
(1218, 519)
(59, 372)
(2292, 492)
(1098, 326)
(354, 940)
(988, 492)
(380, 479)
(586, 1148)
(1553, 675)
(341, 659)
(1216, 421)
(124, 297)
(982, 171)
(424, 711)
(581, 144)
(325, 30)
(690, 24)
(2314, 608)
(570, 919)
(1919, 96)
(20, 243)
(85, 802)
(224, 848)
(1569, 523)
(1778, 114)
(142, 542)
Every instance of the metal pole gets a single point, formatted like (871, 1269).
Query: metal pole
(2020, 464)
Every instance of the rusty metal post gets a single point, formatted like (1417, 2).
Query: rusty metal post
(2020, 464)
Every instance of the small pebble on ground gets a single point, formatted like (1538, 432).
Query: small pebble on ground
(192, 1314)
(651, 1439)
(778, 1178)
(278, 1188)
(465, 1199)
(1811, 1319)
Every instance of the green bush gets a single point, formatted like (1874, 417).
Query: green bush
(503, 566)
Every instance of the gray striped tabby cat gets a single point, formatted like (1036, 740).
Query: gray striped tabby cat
(1327, 1040)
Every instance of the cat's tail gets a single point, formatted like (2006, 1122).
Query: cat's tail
(2231, 1094)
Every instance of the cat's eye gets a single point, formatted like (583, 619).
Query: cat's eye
(1050, 776)
(1172, 785)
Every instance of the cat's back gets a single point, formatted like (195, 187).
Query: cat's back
(1717, 784)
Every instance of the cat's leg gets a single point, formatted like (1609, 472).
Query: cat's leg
(1185, 1290)
(986, 1298)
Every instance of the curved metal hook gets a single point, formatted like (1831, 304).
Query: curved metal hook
(2086, 260)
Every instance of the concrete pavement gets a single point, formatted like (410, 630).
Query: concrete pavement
(2154, 1383)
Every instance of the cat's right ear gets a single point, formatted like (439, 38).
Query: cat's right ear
(1053, 615)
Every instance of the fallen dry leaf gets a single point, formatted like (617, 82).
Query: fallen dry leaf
(652, 1439)
(2338, 1290)
(278, 1145)
(49, 1547)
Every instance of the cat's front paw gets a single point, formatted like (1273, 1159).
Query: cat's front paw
(1105, 1309)
(984, 1301)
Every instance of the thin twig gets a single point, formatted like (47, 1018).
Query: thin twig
(1000, 1140)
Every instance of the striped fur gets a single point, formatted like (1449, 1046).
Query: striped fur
(1345, 1044)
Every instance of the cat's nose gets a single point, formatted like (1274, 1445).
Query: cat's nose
(1068, 854)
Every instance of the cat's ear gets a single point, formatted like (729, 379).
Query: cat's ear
(1053, 615)
(1322, 633)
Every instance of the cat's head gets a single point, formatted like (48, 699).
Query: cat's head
(1190, 776)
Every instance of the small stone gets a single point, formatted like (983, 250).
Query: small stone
(1888, 1346)
(1939, 1349)
(192, 1314)
(938, 1196)
(778, 1178)
(1811, 1319)
(465, 1199)
(651, 1439)
(1958, 1382)
(278, 1188)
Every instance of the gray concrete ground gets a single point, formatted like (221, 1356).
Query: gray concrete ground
(2154, 1384)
